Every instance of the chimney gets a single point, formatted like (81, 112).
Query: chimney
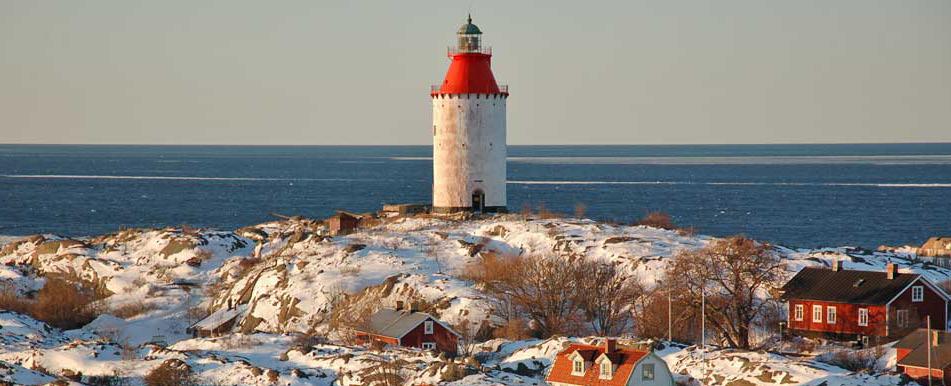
(399, 305)
(890, 271)
(935, 338)
(610, 345)
(836, 265)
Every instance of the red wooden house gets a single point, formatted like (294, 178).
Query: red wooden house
(407, 328)
(848, 304)
(912, 356)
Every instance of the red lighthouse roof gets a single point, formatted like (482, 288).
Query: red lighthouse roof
(470, 71)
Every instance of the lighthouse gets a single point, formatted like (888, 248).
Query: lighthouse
(469, 130)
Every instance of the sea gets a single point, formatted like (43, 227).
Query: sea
(806, 195)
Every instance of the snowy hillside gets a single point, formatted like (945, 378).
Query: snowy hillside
(285, 276)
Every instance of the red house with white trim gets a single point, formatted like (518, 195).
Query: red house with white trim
(408, 328)
(849, 304)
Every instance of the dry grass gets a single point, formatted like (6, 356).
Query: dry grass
(657, 220)
(350, 270)
(130, 310)
(59, 303)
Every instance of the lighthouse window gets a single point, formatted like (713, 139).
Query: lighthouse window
(434, 129)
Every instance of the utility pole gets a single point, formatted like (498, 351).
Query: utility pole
(929, 340)
(670, 330)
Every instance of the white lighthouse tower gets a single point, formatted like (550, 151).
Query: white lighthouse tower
(469, 130)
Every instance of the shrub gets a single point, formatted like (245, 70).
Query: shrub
(129, 310)
(172, 372)
(861, 360)
(11, 301)
(59, 303)
(657, 220)
(65, 305)
(515, 329)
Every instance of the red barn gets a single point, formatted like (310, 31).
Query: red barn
(912, 356)
(407, 328)
(848, 304)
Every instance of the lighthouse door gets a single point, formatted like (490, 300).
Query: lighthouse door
(478, 201)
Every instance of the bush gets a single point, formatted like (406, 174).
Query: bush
(59, 303)
(657, 220)
(861, 360)
(129, 310)
(11, 301)
(172, 372)
(515, 329)
(65, 305)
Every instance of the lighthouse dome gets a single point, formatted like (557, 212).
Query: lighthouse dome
(469, 28)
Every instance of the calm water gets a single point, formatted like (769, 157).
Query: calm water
(798, 195)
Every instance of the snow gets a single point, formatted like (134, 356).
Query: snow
(289, 290)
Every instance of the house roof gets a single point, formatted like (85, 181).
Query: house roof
(846, 286)
(625, 359)
(918, 357)
(219, 318)
(397, 323)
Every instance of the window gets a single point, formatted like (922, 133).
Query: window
(577, 367)
(799, 312)
(917, 293)
(901, 318)
(830, 314)
(606, 370)
(429, 346)
(817, 314)
(863, 316)
(428, 327)
(647, 373)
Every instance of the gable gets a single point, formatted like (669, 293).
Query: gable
(627, 360)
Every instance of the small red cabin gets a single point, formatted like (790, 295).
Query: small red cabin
(407, 328)
(849, 304)
(342, 223)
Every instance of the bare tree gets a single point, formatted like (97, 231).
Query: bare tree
(731, 273)
(543, 289)
(468, 331)
(606, 294)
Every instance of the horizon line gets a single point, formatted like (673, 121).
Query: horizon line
(516, 144)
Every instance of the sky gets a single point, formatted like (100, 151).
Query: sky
(327, 72)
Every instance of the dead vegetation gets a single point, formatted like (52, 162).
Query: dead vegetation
(555, 295)
(172, 372)
(130, 310)
(59, 303)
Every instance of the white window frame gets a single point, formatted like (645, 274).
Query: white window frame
(648, 375)
(577, 367)
(428, 327)
(429, 345)
(607, 370)
(830, 314)
(918, 293)
(863, 317)
(817, 314)
(798, 312)
(901, 318)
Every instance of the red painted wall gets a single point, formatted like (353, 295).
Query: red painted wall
(846, 318)
(847, 315)
(446, 341)
(932, 305)
(921, 374)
